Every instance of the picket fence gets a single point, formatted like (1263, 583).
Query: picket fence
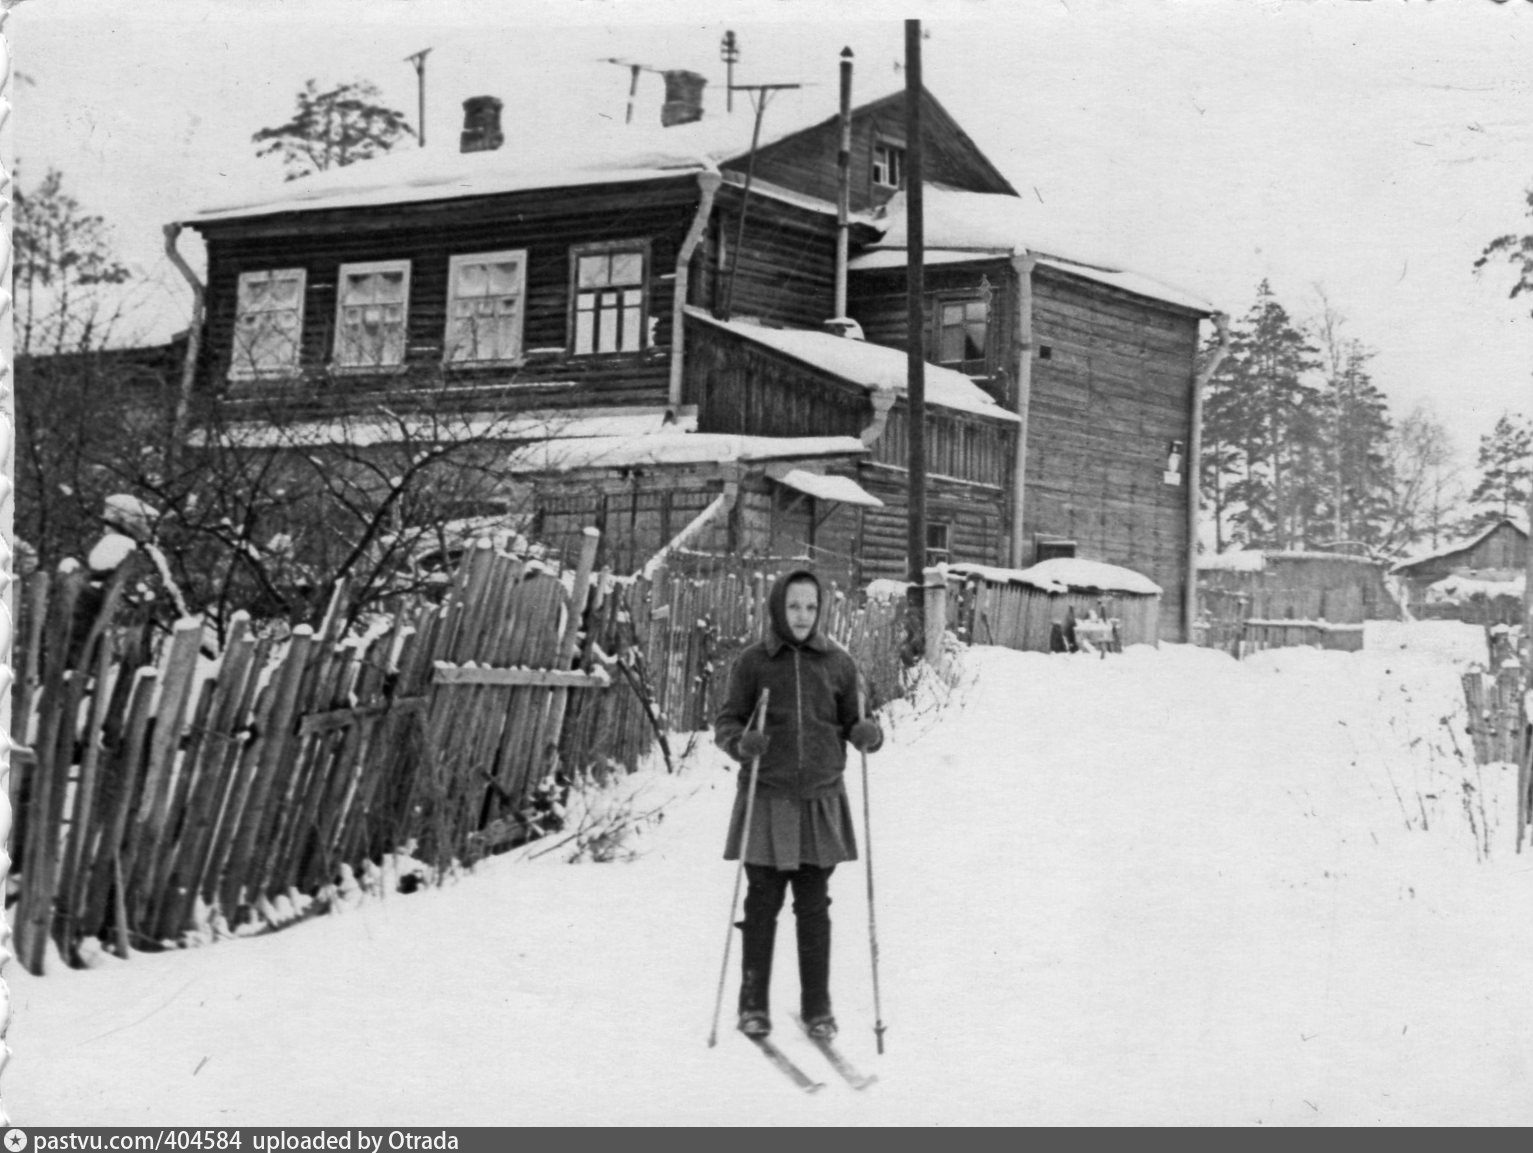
(159, 795)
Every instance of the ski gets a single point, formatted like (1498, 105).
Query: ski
(842, 1066)
(775, 1055)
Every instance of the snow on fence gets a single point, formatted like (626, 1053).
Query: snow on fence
(1019, 609)
(157, 797)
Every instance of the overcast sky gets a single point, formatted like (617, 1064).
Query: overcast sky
(1369, 148)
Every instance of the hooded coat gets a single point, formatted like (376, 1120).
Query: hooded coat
(801, 814)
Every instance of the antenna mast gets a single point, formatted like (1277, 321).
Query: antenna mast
(418, 59)
(763, 94)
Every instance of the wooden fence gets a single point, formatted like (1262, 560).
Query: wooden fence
(202, 784)
(158, 792)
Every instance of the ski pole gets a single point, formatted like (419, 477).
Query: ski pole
(867, 836)
(745, 841)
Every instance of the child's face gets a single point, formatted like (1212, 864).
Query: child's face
(802, 608)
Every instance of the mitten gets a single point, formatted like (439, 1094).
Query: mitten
(866, 736)
(752, 744)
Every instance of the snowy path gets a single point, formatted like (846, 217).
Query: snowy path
(1158, 888)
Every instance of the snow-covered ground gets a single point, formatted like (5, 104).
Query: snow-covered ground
(1160, 887)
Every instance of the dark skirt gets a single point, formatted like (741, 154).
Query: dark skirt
(787, 833)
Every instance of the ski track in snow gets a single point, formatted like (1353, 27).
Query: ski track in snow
(1162, 887)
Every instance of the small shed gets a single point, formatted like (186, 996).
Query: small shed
(1019, 608)
(1294, 585)
(1445, 581)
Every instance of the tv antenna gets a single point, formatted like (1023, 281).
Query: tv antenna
(762, 93)
(633, 83)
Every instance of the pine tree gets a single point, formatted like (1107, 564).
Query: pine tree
(333, 129)
(1505, 471)
(1261, 418)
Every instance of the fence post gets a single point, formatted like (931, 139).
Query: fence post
(935, 595)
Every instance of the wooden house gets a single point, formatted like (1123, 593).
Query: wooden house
(621, 284)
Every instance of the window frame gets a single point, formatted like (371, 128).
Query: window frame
(945, 530)
(454, 263)
(896, 151)
(240, 368)
(944, 300)
(352, 268)
(608, 248)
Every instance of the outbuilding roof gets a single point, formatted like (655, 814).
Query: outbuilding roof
(872, 366)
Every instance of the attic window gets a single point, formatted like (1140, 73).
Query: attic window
(269, 323)
(888, 165)
(608, 304)
(484, 314)
(371, 307)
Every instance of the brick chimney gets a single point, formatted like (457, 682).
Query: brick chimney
(481, 125)
(683, 98)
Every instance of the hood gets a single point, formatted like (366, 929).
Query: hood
(779, 634)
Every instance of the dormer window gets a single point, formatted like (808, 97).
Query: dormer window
(372, 301)
(609, 294)
(888, 165)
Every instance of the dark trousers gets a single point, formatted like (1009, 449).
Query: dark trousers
(811, 910)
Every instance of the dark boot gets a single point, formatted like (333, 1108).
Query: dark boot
(811, 907)
(759, 939)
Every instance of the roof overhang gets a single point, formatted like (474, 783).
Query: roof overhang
(832, 489)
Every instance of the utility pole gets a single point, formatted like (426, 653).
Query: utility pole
(729, 52)
(418, 59)
(762, 93)
(915, 351)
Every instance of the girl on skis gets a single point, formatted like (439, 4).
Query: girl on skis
(801, 821)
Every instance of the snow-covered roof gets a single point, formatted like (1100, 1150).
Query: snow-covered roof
(581, 147)
(1255, 559)
(1462, 545)
(424, 427)
(842, 489)
(872, 366)
(1066, 574)
(569, 453)
(959, 225)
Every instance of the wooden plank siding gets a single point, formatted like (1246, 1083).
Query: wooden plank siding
(976, 517)
(546, 224)
(787, 270)
(1111, 389)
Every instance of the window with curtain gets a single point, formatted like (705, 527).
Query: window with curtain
(268, 324)
(484, 309)
(372, 307)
